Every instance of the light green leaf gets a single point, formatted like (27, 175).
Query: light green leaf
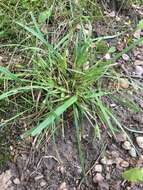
(140, 25)
(112, 49)
(45, 15)
(133, 175)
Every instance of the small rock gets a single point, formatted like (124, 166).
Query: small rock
(104, 185)
(141, 103)
(63, 186)
(117, 18)
(43, 183)
(103, 160)
(108, 176)
(137, 33)
(136, 52)
(139, 70)
(140, 57)
(16, 181)
(138, 118)
(138, 63)
(98, 168)
(119, 161)
(106, 161)
(124, 164)
(113, 105)
(125, 57)
(121, 137)
(107, 56)
(109, 162)
(107, 168)
(38, 177)
(112, 14)
(98, 178)
(140, 161)
(124, 83)
(115, 154)
(78, 27)
(1, 58)
(133, 153)
(61, 169)
(139, 141)
(86, 65)
(79, 170)
(127, 145)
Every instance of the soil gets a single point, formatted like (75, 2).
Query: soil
(53, 164)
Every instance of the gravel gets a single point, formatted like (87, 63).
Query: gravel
(133, 153)
(98, 168)
(124, 164)
(127, 145)
(121, 137)
(16, 181)
(98, 178)
(139, 141)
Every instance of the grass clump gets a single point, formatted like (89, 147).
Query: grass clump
(65, 79)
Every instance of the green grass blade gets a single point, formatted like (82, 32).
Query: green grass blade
(19, 90)
(105, 115)
(37, 33)
(51, 118)
(78, 136)
(8, 74)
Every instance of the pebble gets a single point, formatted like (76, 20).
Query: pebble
(38, 177)
(124, 83)
(43, 183)
(138, 118)
(98, 178)
(63, 186)
(79, 170)
(113, 105)
(112, 14)
(108, 176)
(137, 33)
(124, 164)
(139, 70)
(125, 57)
(107, 56)
(61, 169)
(126, 145)
(141, 103)
(98, 168)
(139, 141)
(138, 62)
(1, 58)
(119, 161)
(106, 161)
(16, 181)
(121, 137)
(115, 154)
(140, 57)
(140, 161)
(136, 52)
(133, 153)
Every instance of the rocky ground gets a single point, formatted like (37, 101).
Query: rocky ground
(55, 166)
